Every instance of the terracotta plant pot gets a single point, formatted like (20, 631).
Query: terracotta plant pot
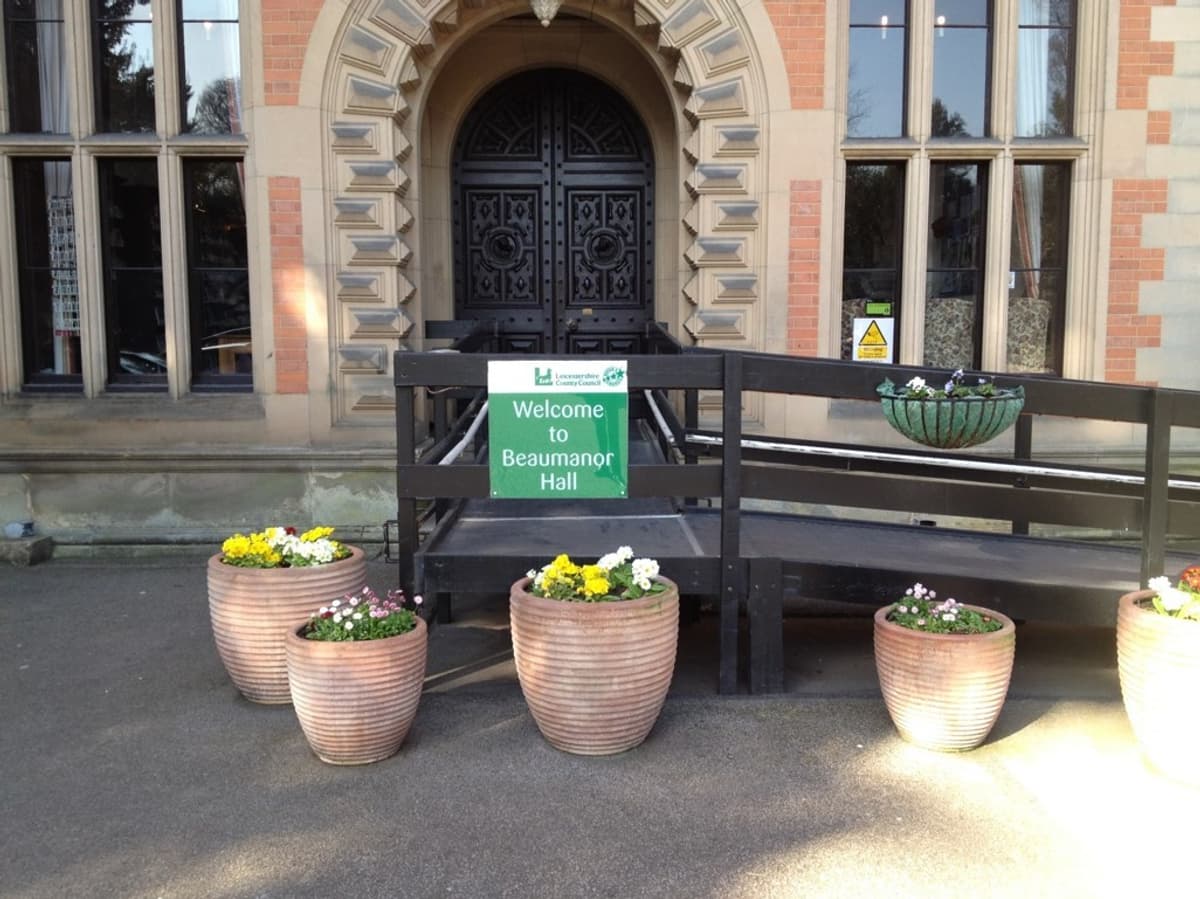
(595, 674)
(252, 609)
(944, 691)
(356, 699)
(1158, 658)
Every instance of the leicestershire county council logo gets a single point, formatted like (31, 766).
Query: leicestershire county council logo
(543, 378)
(613, 375)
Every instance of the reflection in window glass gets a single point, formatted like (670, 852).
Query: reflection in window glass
(211, 76)
(871, 246)
(1037, 276)
(875, 92)
(49, 284)
(954, 269)
(124, 61)
(131, 244)
(39, 91)
(219, 283)
(1045, 60)
(961, 47)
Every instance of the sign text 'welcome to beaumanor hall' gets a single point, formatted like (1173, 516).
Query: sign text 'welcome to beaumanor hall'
(558, 429)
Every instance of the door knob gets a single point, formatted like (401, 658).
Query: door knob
(572, 324)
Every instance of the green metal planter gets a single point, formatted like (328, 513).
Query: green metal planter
(951, 422)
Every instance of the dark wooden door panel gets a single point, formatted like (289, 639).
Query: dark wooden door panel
(553, 216)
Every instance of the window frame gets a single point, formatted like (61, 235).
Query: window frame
(1080, 350)
(206, 382)
(84, 146)
(37, 381)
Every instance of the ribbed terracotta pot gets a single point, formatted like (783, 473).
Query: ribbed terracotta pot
(356, 699)
(595, 674)
(252, 610)
(944, 691)
(1158, 658)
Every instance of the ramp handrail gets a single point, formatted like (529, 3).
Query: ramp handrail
(1150, 502)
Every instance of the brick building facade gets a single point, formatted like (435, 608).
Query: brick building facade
(219, 219)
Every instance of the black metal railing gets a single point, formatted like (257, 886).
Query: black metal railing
(1148, 502)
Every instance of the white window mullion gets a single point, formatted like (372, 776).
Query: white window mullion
(1004, 68)
(994, 352)
(10, 307)
(79, 32)
(916, 249)
(3, 83)
(166, 68)
(920, 69)
(174, 274)
(90, 272)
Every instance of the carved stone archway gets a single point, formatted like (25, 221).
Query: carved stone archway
(388, 55)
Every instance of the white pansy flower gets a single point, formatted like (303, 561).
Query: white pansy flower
(1173, 599)
(609, 561)
(645, 569)
(349, 625)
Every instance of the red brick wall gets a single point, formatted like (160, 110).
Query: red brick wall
(800, 27)
(286, 26)
(804, 268)
(1131, 264)
(1158, 128)
(288, 286)
(1138, 57)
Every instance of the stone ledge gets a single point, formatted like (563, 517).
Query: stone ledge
(26, 551)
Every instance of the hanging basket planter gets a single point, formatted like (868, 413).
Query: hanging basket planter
(951, 422)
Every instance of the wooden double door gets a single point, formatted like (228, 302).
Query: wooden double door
(553, 216)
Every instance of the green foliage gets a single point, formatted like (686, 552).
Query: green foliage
(615, 576)
(1180, 601)
(364, 616)
(919, 611)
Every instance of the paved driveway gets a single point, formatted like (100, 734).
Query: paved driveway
(131, 767)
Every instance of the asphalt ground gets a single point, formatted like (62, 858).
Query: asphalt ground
(129, 766)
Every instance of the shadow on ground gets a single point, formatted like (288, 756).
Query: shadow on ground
(133, 768)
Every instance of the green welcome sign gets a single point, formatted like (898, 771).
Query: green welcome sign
(558, 429)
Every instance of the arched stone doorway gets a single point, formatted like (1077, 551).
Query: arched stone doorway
(403, 78)
(553, 215)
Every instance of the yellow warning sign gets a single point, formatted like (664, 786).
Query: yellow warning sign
(873, 336)
(873, 339)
